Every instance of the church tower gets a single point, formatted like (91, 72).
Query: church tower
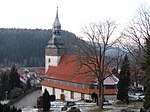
(55, 48)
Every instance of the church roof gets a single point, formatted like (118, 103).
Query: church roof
(76, 89)
(68, 70)
(70, 88)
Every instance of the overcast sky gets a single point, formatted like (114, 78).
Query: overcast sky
(73, 14)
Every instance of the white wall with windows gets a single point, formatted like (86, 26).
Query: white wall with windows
(51, 61)
(69, 95)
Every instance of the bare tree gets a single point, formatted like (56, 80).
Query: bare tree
(118, 57)
(135, 36)
(92, 53)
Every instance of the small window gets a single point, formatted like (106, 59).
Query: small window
(110, 87)
(72, 95)
(53, 91)
(82, 96)
(62, 90)
(49, 60)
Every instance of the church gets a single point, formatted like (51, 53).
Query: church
(60, 78)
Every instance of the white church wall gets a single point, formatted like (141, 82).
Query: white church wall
(67, 95)
(77, 96)
(51, 61)
(87, 96)
(57, 93)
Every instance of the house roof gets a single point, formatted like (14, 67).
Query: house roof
(111, 80)
(38, 70)
(68, 70)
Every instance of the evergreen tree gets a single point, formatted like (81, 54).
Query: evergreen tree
(14, 78)
(147, 97)
(146, 68)
(5, 85)
(46, 101)
(28, 84)
(26, 47)
(124, 81)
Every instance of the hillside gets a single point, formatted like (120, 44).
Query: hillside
(26, 47)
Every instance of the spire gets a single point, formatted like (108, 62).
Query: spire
(56, 38)
(56, 25)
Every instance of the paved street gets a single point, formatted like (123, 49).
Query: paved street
(29, 100)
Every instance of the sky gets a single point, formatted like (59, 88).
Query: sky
(73, 14)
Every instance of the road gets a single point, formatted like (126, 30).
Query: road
(29, 100)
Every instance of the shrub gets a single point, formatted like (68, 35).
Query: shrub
(14, 93)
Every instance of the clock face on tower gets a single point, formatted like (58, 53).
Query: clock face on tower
(53, 51)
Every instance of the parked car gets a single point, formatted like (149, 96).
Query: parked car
(56, 104)
(70, 103)
(136, 96)
(64, 108)
(71, 109)
(107, 102)
(141, 97)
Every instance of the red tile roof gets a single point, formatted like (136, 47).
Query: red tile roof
(67, 70)
(38, 70)
(76, 89)
(21, 72)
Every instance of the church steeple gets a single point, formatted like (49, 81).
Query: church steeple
(56, 32)
(56, 25)
(55, 48)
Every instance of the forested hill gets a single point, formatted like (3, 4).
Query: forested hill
(26, 47)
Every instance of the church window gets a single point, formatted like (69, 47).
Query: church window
(71, 84)
(53, 91)
(86, 86)
(82, 96)
(72, 94)
(79, 85)
(62, 90)
(64, 83)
